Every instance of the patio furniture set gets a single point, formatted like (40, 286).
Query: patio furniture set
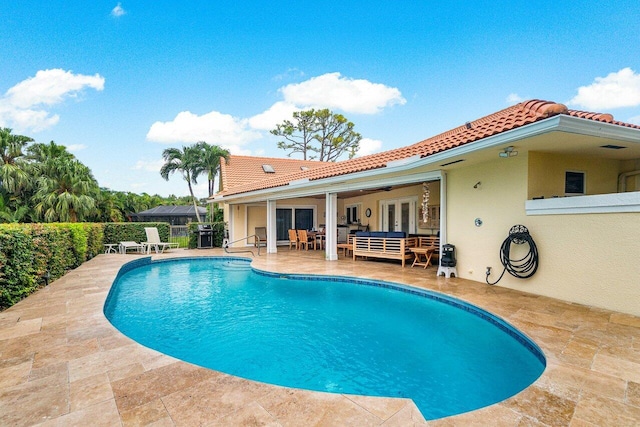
(153, 242)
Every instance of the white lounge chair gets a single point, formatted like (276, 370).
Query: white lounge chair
(123, 247)
(153, 240)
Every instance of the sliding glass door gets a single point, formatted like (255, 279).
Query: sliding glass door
(288, 218)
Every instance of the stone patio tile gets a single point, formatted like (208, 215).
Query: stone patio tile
(21, 328)
(617, 367)
(606, 412)
(131, 392)
(101, 414)
(541, 405)
(89, 391)
(293, 407)
(151, 413)
(34, 401)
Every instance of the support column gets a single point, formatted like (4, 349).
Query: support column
(272, 232)
(443, 210)
(331, 208)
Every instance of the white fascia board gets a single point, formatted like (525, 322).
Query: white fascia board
(600, 129)
(597, 203)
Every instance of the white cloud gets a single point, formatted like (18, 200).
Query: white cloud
(635, 120)
(149, 165)
(76, 147)
(118, 11)
(368, 146)
(214, 128)
(276, 114)
(514, 98)
(22, 106)
(617, 90)
(333, 91)
(50, 87)
(21, 120)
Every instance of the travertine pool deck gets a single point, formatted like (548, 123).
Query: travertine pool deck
(63, 364)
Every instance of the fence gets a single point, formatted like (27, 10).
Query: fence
(179, 234)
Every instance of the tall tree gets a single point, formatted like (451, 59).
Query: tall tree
(210, 157)
(13, 177)
(318, 135)
(40, 152)
(66, 191)
(187, 162)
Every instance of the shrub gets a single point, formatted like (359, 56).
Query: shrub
(115, 232)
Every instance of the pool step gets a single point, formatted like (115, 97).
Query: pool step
(236, 266)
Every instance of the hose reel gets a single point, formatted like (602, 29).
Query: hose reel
(521, 268)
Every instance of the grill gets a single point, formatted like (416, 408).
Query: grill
(205, 236)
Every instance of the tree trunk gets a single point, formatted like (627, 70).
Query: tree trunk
(195, 206)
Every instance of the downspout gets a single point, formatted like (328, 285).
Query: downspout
(622, 180)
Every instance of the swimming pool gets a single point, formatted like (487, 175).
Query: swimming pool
(334, 334)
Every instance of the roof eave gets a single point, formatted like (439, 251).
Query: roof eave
(561, 122)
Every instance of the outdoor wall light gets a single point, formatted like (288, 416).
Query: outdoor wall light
(478, 184)
(508, 152)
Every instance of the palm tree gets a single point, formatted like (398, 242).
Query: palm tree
(187, 161)
(109, 206)
(66, 191)
(40, 152)
(211, 155)
(12, 175)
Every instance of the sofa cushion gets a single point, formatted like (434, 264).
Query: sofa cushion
(396, 234)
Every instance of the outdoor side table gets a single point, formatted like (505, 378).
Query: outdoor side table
(419, 253)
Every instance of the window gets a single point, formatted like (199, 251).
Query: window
(353, 212)
(574, 183)
(268, 169)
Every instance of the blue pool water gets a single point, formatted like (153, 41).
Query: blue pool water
(324, 333)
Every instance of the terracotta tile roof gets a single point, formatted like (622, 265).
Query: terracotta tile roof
(245, 170)
(510, 118)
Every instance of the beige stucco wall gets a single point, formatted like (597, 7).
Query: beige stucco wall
(547, 171)
(588, 258)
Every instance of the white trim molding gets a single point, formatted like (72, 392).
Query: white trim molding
(598, 203)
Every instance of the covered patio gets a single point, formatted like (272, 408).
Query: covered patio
(62, 363)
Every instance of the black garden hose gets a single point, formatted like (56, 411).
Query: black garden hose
(524, 267)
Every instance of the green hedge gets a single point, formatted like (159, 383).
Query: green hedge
(116, 232)
(29, 251)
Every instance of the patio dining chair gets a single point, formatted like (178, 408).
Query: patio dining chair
(305, 240)
(260, 237)
(293, 239)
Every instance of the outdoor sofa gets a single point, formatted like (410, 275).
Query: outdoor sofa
(383, 244)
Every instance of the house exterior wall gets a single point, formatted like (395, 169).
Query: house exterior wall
(586, 258)
(547, 171)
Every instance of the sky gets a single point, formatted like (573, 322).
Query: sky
(119, 82)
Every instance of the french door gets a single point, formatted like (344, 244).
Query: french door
(399, 215)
